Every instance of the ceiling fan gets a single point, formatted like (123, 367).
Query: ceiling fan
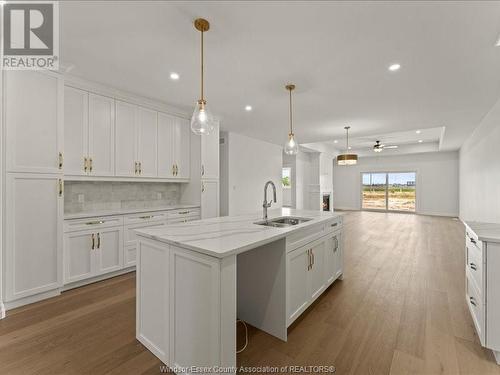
(378, 147)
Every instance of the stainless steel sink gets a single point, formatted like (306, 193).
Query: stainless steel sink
(282, 222)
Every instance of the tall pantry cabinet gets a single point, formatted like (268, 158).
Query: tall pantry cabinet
(34, 186)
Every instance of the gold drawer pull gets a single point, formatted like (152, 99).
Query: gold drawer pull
(334, 225)
(472, 301)
(93, 241)
(145, 217)
(473, 267)
(60, 160)
(183, 212)
(98, 240)
(94, 222)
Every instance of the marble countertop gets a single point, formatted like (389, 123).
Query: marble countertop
(223, 236)
(488, 232)
(124, 211)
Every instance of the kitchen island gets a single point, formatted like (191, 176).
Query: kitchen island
(195, 279)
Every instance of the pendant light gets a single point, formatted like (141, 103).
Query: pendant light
(202, 121)
(291, 147)
(347, 158)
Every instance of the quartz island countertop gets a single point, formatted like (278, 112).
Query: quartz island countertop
(228, 235)
(488, 232)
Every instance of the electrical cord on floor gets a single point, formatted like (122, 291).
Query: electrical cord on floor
(246, 336)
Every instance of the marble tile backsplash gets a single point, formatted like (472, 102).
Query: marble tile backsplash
(88, 196)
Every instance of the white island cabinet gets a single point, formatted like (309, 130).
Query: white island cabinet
(482, 289)
(195, 279)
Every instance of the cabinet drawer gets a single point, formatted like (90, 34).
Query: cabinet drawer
(474, 265)
(145, 217)
(188, 212)
(94, 223)
(333, 225)
(471, 238)
(130, 237)
(304, 236)
(476, 307)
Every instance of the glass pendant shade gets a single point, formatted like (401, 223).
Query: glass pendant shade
(202, 121)
(291, 147)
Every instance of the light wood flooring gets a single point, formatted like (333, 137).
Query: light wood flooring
(399, 310)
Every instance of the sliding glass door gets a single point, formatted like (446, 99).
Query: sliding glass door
(395, 191)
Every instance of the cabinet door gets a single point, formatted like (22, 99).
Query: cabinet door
(147, 142)
(34, 208)
(76, 130)
(126, 139)
(101, 135)
(182, 147)
(297, 282)
(330, 259)
(339, 256)
(34, 121)
(195, 288)
(317, 272)
(78, 251)
(165, 146)
(109, 251)
(210, 154)
(209, 199)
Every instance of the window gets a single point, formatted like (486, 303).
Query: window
(389, 191)
(286, 178)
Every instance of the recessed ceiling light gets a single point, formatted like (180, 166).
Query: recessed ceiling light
(418, 131)
(335, 141)
(174, 76)
(248, 108)
(394, 67)
(349, 147)
(420, 141)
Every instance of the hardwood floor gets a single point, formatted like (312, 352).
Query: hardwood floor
(400, 310)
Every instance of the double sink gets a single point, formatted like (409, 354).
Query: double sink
(283, 222)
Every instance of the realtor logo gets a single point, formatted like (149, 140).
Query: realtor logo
(30, 35)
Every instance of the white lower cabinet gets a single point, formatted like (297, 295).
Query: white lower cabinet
(33, 234)
(178, 305)
(209, 199)
(311, 269)
(91, 253)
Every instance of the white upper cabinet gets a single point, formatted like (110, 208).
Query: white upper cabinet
(210, 154)
(173, 147)
(34, 121)
(181, 147)
(101, 135)
(126, 139)
(166, 168)
(76, 128)
(136, 141)
(147, 129)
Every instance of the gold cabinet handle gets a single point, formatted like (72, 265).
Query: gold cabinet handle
(135, 167)
(202, 170)
(145, 217)
(176, 169)
(336, 244)
(93, 241)
(98, 240)
(85, 164)
(183, 212)
(60, 160)
(61, 187)
(140, 167)
(312, 254)
(94, 222)
(309, 259)
(202, 187)
(91, 166)
(173, 169)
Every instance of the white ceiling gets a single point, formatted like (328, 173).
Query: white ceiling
(337, 53)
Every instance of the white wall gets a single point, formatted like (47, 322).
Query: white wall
(251, 163)
(480, 171)
(437, 180)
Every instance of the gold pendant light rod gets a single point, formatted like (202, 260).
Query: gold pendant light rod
(202, 25)
(290, 88)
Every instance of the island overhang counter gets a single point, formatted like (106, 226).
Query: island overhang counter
(195, 279)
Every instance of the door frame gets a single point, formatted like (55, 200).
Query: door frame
(387, 172)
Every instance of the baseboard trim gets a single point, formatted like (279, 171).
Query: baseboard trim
(31, 299)
(96, 279)
(2, 310)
